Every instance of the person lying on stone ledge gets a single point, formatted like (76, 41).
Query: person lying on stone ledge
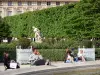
(36, 58)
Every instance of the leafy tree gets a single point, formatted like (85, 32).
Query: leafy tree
(4, 29)
(77, 21)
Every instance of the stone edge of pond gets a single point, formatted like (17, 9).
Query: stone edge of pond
(59, 70)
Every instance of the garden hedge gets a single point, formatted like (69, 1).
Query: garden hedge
(52, 54)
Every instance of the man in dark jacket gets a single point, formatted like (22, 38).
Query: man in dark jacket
(6, 60)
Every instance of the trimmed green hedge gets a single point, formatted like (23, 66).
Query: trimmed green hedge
(11, 51)
(52, 54)
(97, 53)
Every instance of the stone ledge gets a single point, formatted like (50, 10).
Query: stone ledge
(55, 67)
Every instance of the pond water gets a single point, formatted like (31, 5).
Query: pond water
(95, 71)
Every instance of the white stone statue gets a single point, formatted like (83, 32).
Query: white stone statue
(14, 38)
(37, 35)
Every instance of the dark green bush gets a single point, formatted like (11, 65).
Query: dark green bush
(10, 45)
(53, 43)
(11, 51)
(97, 53)
(59, 54)
(86, 44)
(52, 54)
(13, 44)
(24, 42)
(97, 43)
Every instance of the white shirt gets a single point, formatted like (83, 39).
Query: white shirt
(69, 57)
(80, 54)
(35, 57)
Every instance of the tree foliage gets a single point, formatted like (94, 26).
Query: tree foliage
(4, 29)
(79, 20)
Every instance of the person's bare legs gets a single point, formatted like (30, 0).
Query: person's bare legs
(83, 59)
(72, 59)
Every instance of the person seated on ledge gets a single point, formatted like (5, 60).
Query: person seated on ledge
(6, 60)
(69, 57)
(81, 56)
(36, 58)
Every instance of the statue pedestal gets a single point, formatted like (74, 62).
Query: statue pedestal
(38, 41)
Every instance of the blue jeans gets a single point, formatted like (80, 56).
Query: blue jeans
(68, 61)
(76, 59)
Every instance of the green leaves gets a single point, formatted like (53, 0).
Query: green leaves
(80, 20)
(4, 29)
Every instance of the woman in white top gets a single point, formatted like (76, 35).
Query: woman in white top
(69, 58)
(81, 56)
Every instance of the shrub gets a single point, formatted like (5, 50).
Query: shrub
(67, 43)
(7, 48)
(41, 45)
(53, 43)
(24, 43)
(86, 44)
(53, 54)
(97, 43)
(8, 45)
(12, 44)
